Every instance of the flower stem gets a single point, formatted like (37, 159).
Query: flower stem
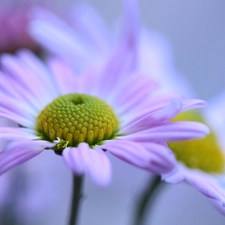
(77, 195)
(146, 198)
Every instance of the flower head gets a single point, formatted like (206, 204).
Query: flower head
(84, 117)
(199, 161)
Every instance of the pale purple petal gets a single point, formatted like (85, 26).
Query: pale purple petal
(17, 119)
(137, 87)
(74, 159)
(115, 69)
(130, 27)
(67, 81)
(153, 157)
(143, 122)
(83, 160)
(15, 133)
(169, 132)
(17, 92)
(174, 177)
(92, 26)
(193, 104)
(100, 170)
(74, 49)
(40, 72)
(21, 73)
(12, 105)
(17, 153)
(205, 184)
(129, 97)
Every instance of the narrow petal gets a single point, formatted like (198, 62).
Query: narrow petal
(16, 107)
(100, 171)
(38, 70)
(74, 159)
(193, 104)
(169, 132)
(17, 153)
(174, 177)
(91, 161)
(130, 26)
(153, 157)
(17, 92)
(26, 77)
(74, 49)
(206, 185)
(146, 121)
(136, 89)
(92, 26)
(67, 81)
(15, 133)
(115, 69)
(17, 119)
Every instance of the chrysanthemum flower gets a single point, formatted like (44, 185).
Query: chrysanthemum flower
(196, 160)
(84, 117)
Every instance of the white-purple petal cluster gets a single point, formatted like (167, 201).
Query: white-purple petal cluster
(144, 121)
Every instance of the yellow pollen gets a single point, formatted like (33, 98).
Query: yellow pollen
(76, 118)
(204, 154)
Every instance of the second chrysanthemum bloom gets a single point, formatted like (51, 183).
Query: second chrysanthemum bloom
(84, 117)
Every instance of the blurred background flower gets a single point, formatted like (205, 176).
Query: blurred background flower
(14, 18)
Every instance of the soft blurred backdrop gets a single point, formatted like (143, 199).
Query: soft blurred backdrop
(196, 32)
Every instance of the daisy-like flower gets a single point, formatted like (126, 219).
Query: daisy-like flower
(199, 162)
(84, 117)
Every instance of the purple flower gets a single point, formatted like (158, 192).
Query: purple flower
(150, 54)
(121, 115)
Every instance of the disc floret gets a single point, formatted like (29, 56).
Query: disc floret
(204, 154)
(76, 118)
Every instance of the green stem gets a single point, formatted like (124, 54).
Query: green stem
(146, 199)
(77, 194)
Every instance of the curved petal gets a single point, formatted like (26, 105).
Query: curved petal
(15, 133)
(146, 121)
(174, 177)
(92, 26)
(27, 77)
(38, 70)
(91, 161)
(169, 132)
(153, 157)
(45, 25)
(130, 27)
(14, 106)
(17, 119)
(66, 80)
(206, 185)
(193, 104)
(17, 153)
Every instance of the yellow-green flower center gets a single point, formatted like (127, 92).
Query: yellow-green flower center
(76, 118)
(204, 154)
